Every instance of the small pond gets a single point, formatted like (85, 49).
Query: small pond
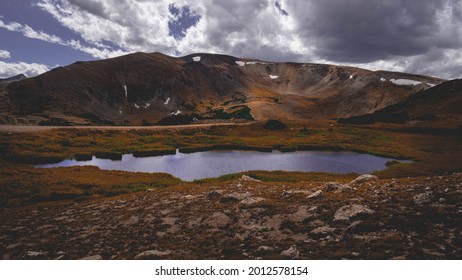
(211, 164)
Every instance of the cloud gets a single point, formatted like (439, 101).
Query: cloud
(99, 51)
(8, 69)
(5, 54)
(400, 35)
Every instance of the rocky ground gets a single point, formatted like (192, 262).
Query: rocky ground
(369, 218)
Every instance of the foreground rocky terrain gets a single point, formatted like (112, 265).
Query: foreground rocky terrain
(368, 218)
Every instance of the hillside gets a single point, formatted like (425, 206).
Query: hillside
(143, 88)
(439, 105)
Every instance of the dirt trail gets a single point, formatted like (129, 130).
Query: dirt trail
(35, 128)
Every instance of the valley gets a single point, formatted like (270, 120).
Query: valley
(153, 105)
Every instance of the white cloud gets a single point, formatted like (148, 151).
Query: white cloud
(414, 36)
(5, 54)
(8, 69)
(99, 51)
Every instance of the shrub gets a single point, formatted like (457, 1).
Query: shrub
(274, 125)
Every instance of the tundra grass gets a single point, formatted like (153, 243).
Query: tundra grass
(21, 184)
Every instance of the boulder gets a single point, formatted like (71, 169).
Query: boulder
(92, 258)
(364, 178)
(215, 194)
(337, 187)
(291, 253)
(316, 194)
(354, 211)
(234, 197)
(322, 231)
(246, 178)
(152, 254)
(422, 198)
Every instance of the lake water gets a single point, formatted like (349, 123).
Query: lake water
(211, 164)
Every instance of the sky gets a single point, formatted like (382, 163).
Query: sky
(416, 36)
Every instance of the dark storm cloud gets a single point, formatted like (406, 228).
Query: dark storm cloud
(93, 7)
(363, 31)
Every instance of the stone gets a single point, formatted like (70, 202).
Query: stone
(265, 249)
(133, 220)
(152, 254)
(35, 254)
(337, 187)
(234, 197)
(422, 198)
(92, 258)
(316, 194)
(347, 212)
(291, 253)
(251, 200)
(246, 178)
(214, 194)
(322, 231)
(364, 178)
(218, 220)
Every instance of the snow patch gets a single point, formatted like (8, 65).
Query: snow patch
(197, 58)
(147, 105)
(431, 85)
(166, 101)
(351, 77)
(120, 111)
(273, 77)
(126, 92)
(405, 82)
(382, 79)
(137, 106)
(240, 63)
(176, 113)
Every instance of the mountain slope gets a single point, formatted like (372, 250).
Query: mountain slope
(441, 105)
(145, 88)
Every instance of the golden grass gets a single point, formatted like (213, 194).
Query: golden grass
(22, 184)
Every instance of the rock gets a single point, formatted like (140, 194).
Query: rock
(364, 178)
(251, 200)
(347, 212)
(92, 258)
(218, 220)
(316, 194)
(286, 194)
(291, 253)
(322, 231)
(35, 254)
(152, 254)
(262, 249)
(422, 198)
(234, 197)
(246, 178)
(337, 187)
(133, 220)
(214, 194)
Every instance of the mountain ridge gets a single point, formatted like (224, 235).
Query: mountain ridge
(148, 87)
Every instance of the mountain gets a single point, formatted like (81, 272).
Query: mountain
(146, 88)
(13, 79)
(441, 105)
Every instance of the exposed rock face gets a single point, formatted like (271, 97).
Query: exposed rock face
(353, 211)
